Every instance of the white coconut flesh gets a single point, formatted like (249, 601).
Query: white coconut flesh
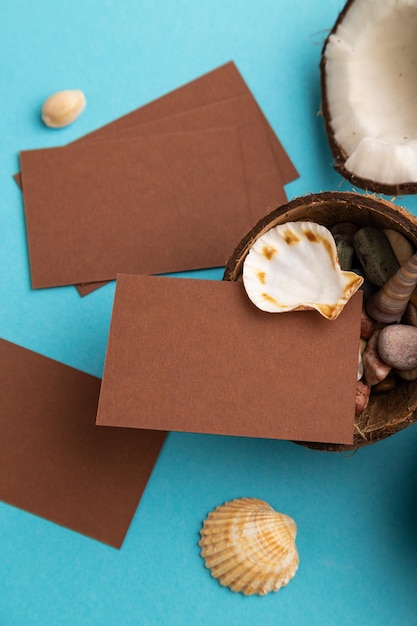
(371, 87)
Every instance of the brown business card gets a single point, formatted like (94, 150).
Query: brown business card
(55, 462)
(198, 356)
(149, 205)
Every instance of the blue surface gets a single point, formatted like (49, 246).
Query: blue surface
(356, 514)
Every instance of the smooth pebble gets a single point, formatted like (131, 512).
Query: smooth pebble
(344, 231)
(345, 255)
(385, 385)
(367, 325)
(408, 375)
(363, 391)
(410, 315)
(400, 245)
(397, 346)
(375, 255)
(375, 369)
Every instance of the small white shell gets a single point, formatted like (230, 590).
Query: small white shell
(249, 547)
(293, 267)
(63, 107)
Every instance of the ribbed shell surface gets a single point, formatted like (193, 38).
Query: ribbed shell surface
(249, 547)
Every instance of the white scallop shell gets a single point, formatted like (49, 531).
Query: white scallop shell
(249, 547)
(294, 266)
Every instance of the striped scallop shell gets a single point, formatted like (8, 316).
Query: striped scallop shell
(294, 266)
(249, 547)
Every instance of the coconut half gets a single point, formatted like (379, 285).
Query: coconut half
(389, 412)
(369, 94)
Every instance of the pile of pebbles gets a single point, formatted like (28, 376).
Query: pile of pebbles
(388, 347)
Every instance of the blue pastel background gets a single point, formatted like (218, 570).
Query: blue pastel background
(356, 513)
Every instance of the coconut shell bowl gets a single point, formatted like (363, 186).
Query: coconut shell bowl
(393, 409)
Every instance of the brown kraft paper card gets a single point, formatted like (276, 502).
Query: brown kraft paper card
(55, 462)
(263, 182)
(152, 204)
(224, 366)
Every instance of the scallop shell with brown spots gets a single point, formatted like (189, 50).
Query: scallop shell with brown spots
(249, 547)
(294, 266)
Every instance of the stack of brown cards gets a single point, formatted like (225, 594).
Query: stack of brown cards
(172, 186)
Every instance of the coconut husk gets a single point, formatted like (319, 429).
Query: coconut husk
(387, 412)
